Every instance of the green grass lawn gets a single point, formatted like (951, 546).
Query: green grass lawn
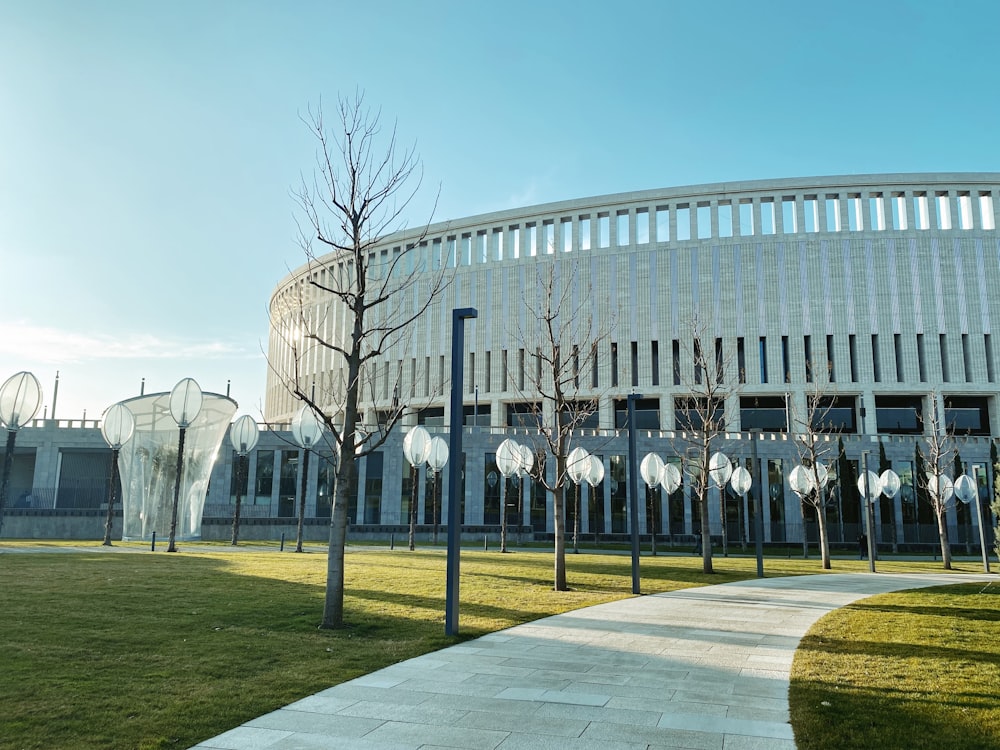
(917, 669)
(110, 649)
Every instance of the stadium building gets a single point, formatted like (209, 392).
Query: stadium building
(876, 295)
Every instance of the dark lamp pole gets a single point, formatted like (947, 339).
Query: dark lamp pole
(458, 317)
(416, 450)
(117, 427)
(307, 431)
(185, 405)
(243, 434)
(20, 398)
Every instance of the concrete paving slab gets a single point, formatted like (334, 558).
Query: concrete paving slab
(704, 668)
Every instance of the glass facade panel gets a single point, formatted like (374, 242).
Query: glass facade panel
(264, 480)
(491, 492)
(899, 415)
(776, 495)
(835, 414)
(619, 496)
(766, 413)
(288, 483)
(647, 414)
(373, 488)
(967, 415)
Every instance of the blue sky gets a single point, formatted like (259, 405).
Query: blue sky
(147, 150)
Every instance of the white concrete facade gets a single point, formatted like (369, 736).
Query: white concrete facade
(879, 290)
(891, 283)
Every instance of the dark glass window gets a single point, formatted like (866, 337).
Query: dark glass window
(476, 414)
(967, 415)
(647, 414)
(767, 413)
(373, 488)
(524, 415)
(432, 416)
(834, 414)
(691, 413)
(899, 415)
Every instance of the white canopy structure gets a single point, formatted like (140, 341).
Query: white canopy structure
(148, 465)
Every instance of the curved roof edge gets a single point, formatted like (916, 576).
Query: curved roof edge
(737, 187)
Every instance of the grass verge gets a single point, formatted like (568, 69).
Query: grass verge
(121, 648)
(913, 669)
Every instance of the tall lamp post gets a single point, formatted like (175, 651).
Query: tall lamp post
(416, 450)
(967, 492)
(577, 467)
(741, 481)
(185, 405)
(117, 426)
(891, 485)
(524, 471)
(802, 483)
(243, 434)
(594, 475)
(870, 487)
(306, 431)
(508, 460)
(720, 468)
(651, 469)
(20, 397)
(436, 460)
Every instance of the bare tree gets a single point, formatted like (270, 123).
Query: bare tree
(938, 457)
(354, 307)
(701, 419)
(810, 432)
(563, 342)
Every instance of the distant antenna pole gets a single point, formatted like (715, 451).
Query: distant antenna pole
(227, 387)
(55, 395)
(142, 387)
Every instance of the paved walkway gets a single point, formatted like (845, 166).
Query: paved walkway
(700, 668)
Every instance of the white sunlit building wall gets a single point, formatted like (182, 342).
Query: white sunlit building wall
(882, 289)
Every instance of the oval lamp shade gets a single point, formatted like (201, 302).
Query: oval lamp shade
(417, 446)
(577, 464)
(671, 481)
(20, 397)
(508, 457)
(741, 480)
(243, 434)
(719, 469)
(941, 487)
(185, 402)
(890, 483)
(527, 459)
(595, 474)
(439, 454)
(824, 475)
(650, 469)
(800, 479)
(965, 488)
(306, 427)
(117, 425)
(874, 485)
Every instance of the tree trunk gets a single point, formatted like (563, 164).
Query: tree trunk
(706, 535)
(333, 606)
(943, 536)
(560, 540)
(824, 542)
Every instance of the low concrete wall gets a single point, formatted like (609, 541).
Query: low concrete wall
(62, 524)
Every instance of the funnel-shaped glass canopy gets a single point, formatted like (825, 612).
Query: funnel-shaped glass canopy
(148, 465)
